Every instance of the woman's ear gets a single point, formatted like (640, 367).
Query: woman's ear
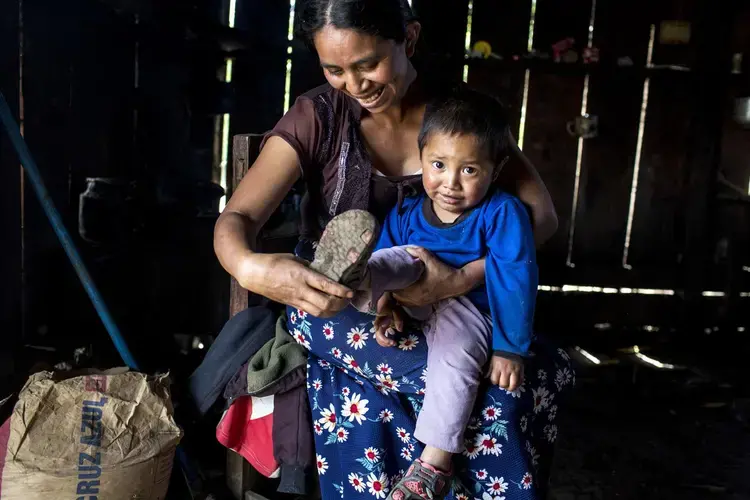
(412, 36)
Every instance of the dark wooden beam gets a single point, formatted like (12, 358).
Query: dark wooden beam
(712, 31)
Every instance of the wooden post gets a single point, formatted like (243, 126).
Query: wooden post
(712, 70)
(241, 477)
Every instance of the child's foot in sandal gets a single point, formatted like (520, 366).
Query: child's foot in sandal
(346, 246)
(422, 482)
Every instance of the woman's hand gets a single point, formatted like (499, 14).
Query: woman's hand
(439, 281)
(289, 280)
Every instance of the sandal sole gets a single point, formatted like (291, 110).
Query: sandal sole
(345, 247)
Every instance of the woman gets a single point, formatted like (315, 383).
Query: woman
(354, 143)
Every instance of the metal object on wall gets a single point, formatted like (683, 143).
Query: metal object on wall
(742, 111)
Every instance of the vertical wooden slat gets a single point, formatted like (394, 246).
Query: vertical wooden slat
(553, 100)
(241, 476)
(615, 97)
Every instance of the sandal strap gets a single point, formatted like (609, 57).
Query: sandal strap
(422, 482)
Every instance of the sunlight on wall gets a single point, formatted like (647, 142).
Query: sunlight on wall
(579, 152)
(467, 40)
(527, 77)
(638, 152)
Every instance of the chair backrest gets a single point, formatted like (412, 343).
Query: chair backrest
(245, 149)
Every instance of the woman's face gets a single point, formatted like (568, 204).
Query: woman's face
(373, 71)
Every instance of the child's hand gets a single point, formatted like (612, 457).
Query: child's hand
(388, 319)
(506, 373)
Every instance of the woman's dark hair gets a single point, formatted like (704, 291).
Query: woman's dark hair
(386, 19)
(463, 111)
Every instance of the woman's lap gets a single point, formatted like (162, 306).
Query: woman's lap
(365, 399)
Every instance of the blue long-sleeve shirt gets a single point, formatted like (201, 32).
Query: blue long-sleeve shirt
(498, 229)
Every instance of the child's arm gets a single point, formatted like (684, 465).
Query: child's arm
(511, 277)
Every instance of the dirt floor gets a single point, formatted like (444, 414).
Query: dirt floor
(635, 432)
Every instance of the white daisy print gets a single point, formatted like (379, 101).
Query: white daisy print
(357, 482)
(386, 384)
(302, 314)
(352, 363)
(405, 453)
(323, 363)
(377, 485)
(345, 391)
(408, 343)
(423, 377)
(301, 340)
(563, 354)
(293, 317)
(496, 486)
(357, 337)
(541, 399)
(354, 408)
(563, 378)
(489, 445)
(384, 369)
(385, 416)
(328, 418)
(342, 435)
(318, 429)
(322, 464)
(317, 384)
(552, 413)
(481, 474)
(527, 480)
(461, 496)
(328, 331)
(336, 352)
(372, 454)
(551, 432)
(542, 376)
(524, 423)
(471, 449)
(403, 435)
(517, 393)
(491, 413)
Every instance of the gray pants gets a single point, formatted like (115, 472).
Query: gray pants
(458, 339)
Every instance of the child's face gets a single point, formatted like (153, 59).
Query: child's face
(456, 173)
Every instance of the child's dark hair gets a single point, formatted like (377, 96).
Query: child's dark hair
(386, 19)
(464, 111)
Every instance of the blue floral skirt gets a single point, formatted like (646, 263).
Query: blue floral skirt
(365, 400)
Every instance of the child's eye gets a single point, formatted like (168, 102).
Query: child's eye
(438, 165)
(470, 170)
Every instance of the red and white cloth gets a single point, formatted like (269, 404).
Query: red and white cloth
(247, 428)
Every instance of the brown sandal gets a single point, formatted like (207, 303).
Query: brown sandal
(345, 247)
(422, 482)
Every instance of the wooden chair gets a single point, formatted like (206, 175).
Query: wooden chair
(241, 477)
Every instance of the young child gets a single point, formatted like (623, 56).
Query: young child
(462, 217)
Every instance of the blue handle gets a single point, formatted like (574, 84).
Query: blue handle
(57, 224)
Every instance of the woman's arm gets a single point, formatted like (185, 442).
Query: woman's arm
(520, 178)
(280, 277)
